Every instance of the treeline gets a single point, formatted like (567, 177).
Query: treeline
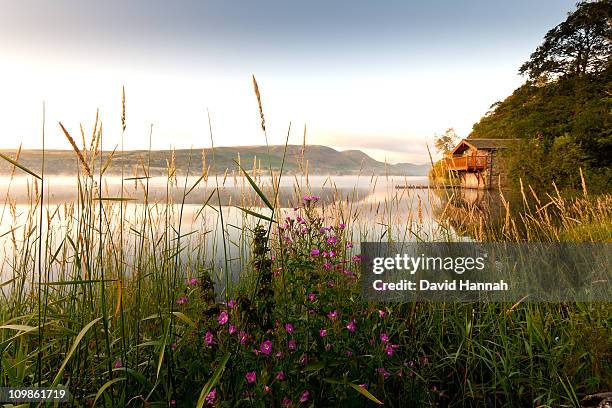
(563, 112)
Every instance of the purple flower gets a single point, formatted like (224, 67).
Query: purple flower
(327, 265)
(243, 337)
(349, 244)
(332, 254)
(333, 314)
(304, 396)
(287, 402)
(117, 364)
(292, 345)
(251, 377)
(330, 284)
(364, 386)
(209, 339)
(210, 398)
(231, 303)
(332, 240)
(266, 347)
(323, 332)
(192, 281)
(232, 329)
(173, 346)
(280, 376)
(223, 317)
(181, 300)
(315, 252)
(381, 313)
(289, 328)
(351, 326)
(384, 337)
(356, 258)
(384, 372)
(389, 350)
(342, 226)
(311, 297)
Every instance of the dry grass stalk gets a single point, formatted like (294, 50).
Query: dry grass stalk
(76, 150)
(258, 95)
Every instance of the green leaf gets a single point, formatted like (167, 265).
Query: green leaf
(78, 339)
(212, 382)
(256, 187)
(106, 385)
(14, 163)
(185, 319)
(253, 213)
(365, 393)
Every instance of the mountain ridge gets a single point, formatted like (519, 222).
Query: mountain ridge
(317, 159)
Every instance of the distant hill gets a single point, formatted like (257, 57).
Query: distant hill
(319, 160)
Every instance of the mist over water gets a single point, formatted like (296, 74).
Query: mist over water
(372, 207)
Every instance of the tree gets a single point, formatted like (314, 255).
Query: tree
(581, 44)
(446, 142)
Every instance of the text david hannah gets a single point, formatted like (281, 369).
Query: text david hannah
(423, 285)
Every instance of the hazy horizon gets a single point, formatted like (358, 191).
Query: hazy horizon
(381, 78)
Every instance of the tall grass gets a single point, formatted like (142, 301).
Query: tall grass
(92, 290)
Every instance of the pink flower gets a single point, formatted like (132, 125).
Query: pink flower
(192, 281)
(323, 332)
(289, 328)
(349, 353)
(349, 244)
(287, 402)
(332, 240)
(223, 317)
(384, 337)
(311, 297)
(266, 347)
(117, 364)
(232, 329)
(209, 339)
(231, 303)
(381, 313)
(356, 258)
(314, 252)
(243, 337)
(342, 226)
(384, 372)
(333, 314)
(351, 326)
(304, 396)
(292, 345)
(266, 389)
(327, 265)
(389, 350)
(330, 284)
(280, 376)
(332, 254)
(251, 377)
(173, 346)
(210, 398)
(181, 300)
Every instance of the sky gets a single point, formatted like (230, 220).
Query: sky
(380, 76)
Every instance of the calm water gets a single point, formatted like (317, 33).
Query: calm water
(371, 206)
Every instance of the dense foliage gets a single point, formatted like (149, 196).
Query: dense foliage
(563, 112)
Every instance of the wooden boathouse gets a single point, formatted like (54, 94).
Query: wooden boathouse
(476, 162)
